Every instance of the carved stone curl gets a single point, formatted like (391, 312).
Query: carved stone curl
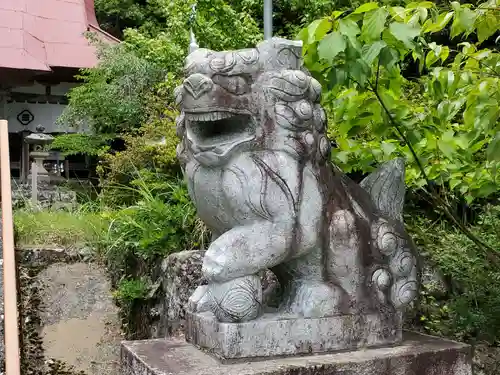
(256, 158)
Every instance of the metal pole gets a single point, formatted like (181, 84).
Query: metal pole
(193, 45)
(268, 19)
(12, 361)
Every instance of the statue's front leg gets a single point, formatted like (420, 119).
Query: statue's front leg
(232, 268)
(247, 250)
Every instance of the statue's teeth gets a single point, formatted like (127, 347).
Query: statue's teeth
(209, 116)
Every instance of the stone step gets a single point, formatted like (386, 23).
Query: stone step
(417, 355)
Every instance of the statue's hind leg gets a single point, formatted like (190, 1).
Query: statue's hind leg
(344, 260)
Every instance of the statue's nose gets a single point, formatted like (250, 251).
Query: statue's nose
(198, 84)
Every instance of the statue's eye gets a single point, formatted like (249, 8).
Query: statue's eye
(237, 85)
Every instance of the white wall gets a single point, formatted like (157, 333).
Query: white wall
(45, 114)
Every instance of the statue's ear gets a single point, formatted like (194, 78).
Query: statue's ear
(386, 187)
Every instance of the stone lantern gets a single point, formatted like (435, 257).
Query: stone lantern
(40, 141)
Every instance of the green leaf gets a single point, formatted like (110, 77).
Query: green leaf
(343, 156)
(446, 148)
(337, 76)
(360, 72)
(448, 136)
(389, 57)
(404, 32)
(445, 52)
(431, 58)
(388, 148)
(440, 24)
(366, 8)
(345, 127)
(462, 142)
(487, 189)
(311, 31)
(454, 183)
(303, 35)
(331, 46)
(464, 188)
(486, 27)
(318, 29)
(374, 24)
(463, 22)
(336, 14)
(371, 51)
(349, 28)
(398, 13)
(426, 4)
(493, 150)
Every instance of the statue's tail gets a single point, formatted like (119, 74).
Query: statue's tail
(386, 187)
(395, 281)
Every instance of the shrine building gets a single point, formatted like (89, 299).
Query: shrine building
(43, 45)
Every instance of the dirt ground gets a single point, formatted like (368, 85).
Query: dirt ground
(80, 323)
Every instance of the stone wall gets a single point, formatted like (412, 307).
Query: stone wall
(49, 195)
(180, 275)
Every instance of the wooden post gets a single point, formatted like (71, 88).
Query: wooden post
(12, 361)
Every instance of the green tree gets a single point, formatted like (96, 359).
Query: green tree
(113, 96)
(446, 122)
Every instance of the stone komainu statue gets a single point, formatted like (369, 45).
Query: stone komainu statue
(257, 162)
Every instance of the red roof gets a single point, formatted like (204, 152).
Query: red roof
(43, 34)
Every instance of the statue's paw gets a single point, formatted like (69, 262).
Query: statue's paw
(200, 300)
(238, 300)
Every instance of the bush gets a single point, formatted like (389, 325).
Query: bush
(469, 307)
(150, 150)
(161, 221)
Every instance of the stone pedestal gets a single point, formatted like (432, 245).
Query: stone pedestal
(415, 355)
(274, 335)
(38, 159)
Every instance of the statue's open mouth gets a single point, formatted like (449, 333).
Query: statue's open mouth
(219, 130)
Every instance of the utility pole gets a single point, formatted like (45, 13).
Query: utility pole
(268, 19)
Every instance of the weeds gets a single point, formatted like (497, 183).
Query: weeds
(59, 228)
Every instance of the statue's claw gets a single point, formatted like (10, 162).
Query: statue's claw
(199, 300)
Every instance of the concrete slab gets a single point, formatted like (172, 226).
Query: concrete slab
(416, 355)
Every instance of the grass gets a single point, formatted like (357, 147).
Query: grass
(59, 228)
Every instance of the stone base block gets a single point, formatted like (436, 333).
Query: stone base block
(416, 355)
(277, 336)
